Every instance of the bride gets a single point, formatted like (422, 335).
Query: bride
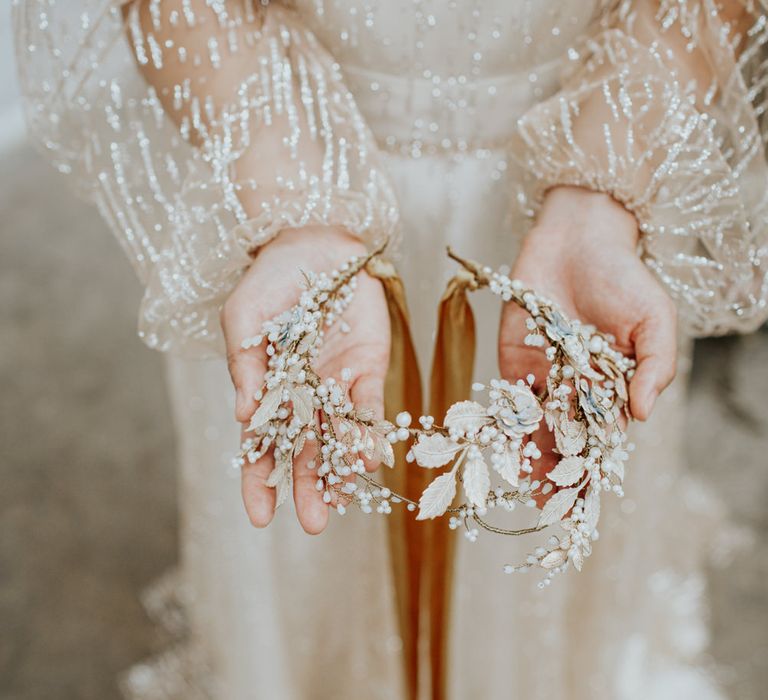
(612, 150)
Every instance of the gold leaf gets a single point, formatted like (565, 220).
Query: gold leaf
(365, 414)
(608, 367)
(283, 490)
(369, 446)
(466, 416)
(383, 451)
(555, 558)
(267, 408)
(557, 506)
(610, 465)
(568, 471)
(301, 396)
(437, 496)
(477, 481)
(434, 450)
(592, 508)
(306, 342)
(621, 387)
(300, 442)
(281, 479)
(571, 437)
(277, 473)
(577, 558)
(508, 466)
(382, 427)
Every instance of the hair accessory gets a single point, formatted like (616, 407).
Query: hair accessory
(483, 447)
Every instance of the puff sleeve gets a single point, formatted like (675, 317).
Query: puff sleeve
(200, 129)
(663, 106)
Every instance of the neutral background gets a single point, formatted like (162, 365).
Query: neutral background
(87, 494)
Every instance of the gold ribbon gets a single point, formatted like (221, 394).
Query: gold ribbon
(402, 391)
(423, 553)
(451, 381)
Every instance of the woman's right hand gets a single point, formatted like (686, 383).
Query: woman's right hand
(271, 285)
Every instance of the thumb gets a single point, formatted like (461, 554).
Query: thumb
(247, 369)
(247, 366)
(367, 391)
(655, 342)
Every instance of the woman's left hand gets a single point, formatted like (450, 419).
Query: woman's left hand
(582, 253)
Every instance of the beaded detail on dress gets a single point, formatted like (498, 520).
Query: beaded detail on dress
(201, 129)
(663, 107)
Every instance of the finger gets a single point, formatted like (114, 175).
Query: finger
(247, 366)
(367, 391)
(655, 344)
(311, 510)
(516, 359)
(247, 369)
(259, 499)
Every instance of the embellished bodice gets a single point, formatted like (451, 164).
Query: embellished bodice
(473, 39)
(447, 75)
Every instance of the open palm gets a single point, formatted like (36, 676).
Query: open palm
(582, 254)
(271, 285)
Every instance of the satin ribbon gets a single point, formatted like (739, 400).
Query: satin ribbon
(422, 553)
(402, 391)
(451, 381)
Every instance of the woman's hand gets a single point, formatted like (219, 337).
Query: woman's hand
(271, 285)
(582, 254)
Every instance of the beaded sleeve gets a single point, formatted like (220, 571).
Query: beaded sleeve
(663, 107)
(200, 129)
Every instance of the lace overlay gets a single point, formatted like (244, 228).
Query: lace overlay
(663, 108)
(240, 126)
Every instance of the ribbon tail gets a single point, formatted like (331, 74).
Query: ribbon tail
(451, 381)
(407, 542)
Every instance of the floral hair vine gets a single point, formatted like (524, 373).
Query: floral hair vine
(581, 404)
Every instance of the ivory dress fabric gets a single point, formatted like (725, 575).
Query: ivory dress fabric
(201, 129)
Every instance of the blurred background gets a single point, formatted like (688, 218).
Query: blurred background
(87, 493)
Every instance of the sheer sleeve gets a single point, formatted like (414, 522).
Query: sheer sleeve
(663, 107)
(200, 129)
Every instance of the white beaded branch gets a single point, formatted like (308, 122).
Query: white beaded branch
(586, 392)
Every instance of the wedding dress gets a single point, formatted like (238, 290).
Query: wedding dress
(434, 122)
